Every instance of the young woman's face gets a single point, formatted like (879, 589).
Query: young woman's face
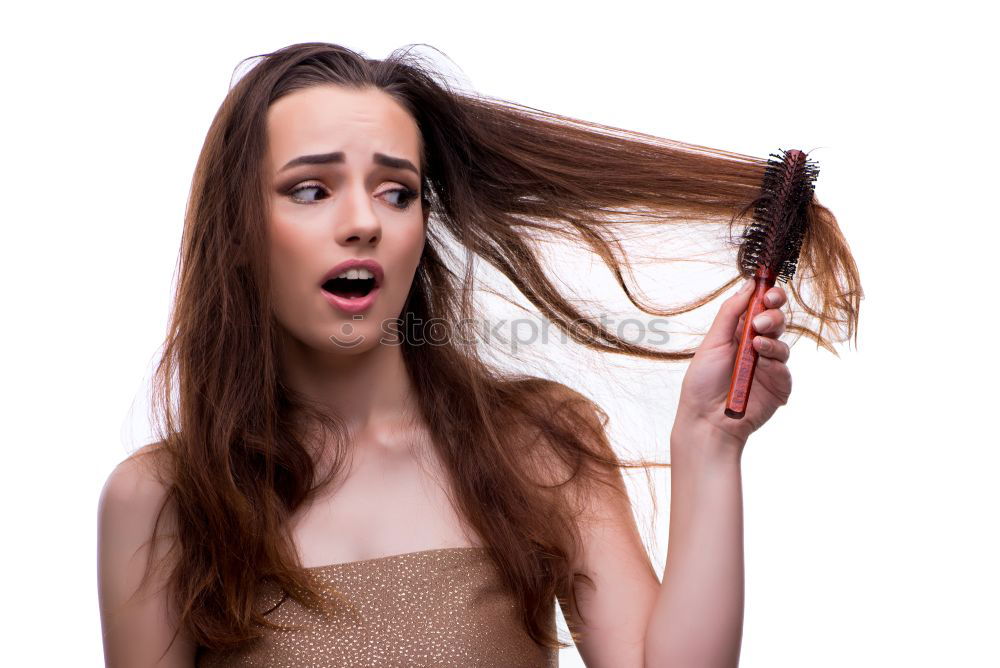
(342, 188)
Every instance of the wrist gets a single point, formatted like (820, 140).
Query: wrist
(697, 434)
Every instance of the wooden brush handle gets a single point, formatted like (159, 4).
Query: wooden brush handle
(746, 355)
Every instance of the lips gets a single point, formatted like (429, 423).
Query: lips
(351, 305)
(356, 263)
(352, 295)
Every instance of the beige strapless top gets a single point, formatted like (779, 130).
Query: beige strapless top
(442, 607)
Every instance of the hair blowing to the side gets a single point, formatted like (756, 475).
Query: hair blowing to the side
(523, 454)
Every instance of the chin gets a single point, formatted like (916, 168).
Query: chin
(346, 340)
(340, 347)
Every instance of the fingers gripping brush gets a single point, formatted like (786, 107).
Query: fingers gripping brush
(769, 252)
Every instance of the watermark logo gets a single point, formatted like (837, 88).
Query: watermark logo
(349, 336)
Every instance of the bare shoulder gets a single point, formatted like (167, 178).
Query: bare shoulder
(137, 623)
(564, 443)
(137, 479)
(133, 495)
(564, 432)
(609, 614)
(555, 402)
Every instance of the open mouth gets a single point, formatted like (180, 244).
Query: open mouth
(349, 288)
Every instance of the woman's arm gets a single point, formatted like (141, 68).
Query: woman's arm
(693, 619)
(697, 619)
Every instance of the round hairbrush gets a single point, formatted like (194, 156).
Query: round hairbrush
(769, 252)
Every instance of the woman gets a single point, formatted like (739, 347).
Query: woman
(335, 483)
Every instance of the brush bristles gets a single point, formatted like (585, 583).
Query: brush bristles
(774, 237)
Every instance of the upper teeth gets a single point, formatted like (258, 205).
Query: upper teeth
(356, 273)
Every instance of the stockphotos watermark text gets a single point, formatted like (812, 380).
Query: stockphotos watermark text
(519, 331)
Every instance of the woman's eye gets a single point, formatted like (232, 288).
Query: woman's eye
(295, 191)
(406, 197)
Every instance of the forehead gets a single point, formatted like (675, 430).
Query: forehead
(326, 118)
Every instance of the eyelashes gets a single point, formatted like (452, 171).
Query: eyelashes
(406, 195)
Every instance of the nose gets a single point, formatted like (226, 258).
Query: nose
(357, 222)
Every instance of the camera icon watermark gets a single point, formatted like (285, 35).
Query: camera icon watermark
(349, 335)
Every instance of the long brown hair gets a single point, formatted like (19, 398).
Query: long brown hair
(498, 177)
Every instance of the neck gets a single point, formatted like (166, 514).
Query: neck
(367, 390)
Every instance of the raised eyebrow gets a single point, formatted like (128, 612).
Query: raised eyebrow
(338, 157)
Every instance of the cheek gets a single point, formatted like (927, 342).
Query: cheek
(401, 254)
(416, 246)
(288, 248)
(409, 252)
(282, 250)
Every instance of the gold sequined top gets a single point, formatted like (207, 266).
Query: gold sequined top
(442, 607)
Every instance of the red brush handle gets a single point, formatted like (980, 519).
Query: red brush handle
(746, 355)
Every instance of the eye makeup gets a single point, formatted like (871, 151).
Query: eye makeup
(407, 195)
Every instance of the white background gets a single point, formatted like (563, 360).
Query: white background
(871, 498)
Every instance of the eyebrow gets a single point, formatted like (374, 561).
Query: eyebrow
(338, 157)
